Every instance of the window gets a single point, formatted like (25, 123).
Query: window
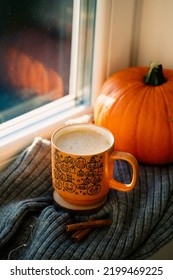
(46, 75)
(38, 57)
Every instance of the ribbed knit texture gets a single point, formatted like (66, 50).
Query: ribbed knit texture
(32, 226)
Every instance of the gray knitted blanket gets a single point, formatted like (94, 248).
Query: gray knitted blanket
(32, 226)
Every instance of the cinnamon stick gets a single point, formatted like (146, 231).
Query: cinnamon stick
(80, 234)
(89, 224)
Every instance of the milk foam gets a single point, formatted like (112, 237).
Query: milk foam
(83, 142)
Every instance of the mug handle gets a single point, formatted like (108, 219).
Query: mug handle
(113, 184)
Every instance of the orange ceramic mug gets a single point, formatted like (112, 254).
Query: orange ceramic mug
(82, 166)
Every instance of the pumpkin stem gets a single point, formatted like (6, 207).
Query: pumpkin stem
(155, 75)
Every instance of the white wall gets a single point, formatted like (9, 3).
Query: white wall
(141, 31)
(121, 34)
(156, 33)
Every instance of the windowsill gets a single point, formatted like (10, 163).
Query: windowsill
(17, 137)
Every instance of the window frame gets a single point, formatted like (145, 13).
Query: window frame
(18, 133)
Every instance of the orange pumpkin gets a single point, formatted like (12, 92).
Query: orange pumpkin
(138, 110)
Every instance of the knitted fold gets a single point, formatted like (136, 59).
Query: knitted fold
(33, 227)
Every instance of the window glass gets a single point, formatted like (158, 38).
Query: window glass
(35, 54)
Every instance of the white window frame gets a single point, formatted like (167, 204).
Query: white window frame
(18, 133)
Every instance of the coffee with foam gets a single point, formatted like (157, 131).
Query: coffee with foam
(82, 141)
